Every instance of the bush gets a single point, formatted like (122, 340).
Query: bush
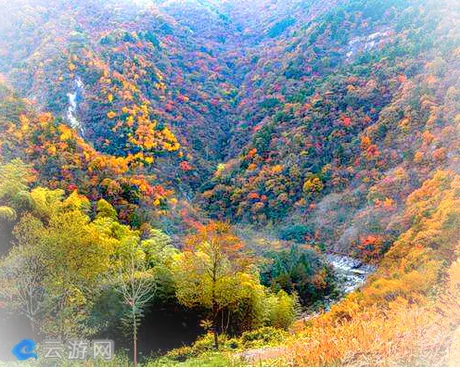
(262, 337)
(281, 309)
(206, 342)
(181, 354)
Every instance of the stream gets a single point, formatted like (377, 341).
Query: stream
(74, 98)
(351, 272)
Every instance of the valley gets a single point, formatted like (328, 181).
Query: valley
(227, 183)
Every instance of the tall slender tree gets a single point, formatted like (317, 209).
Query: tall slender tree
(135, 282)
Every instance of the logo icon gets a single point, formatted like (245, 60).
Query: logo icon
(25, 350)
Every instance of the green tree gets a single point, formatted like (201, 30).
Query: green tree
(299, 271)
(58, 265)
(23, 271)
(14, 191)
(280, 309)
(139, 269)
(213, 273)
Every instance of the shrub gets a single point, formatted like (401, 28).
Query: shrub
(262, 337)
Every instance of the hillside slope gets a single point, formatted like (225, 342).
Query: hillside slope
(341, 120)
(266, 136)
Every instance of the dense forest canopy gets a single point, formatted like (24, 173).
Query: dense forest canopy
(225, 182)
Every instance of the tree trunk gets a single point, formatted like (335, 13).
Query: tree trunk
(215, 308)
(32, 324)
(215, 322)
(134, 339)
(216, 338)
(135, 351)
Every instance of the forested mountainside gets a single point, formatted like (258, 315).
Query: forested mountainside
(357, 115)
(216, 154)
